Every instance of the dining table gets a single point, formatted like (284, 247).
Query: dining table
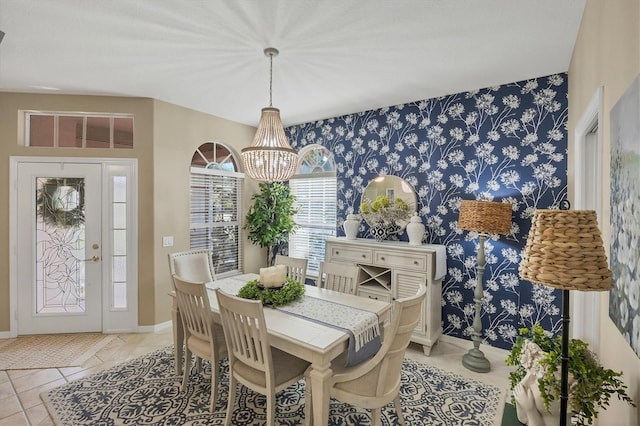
(313, 341)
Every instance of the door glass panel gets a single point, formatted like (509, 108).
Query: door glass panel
(60, 245)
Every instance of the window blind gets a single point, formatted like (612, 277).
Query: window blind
(316, 198)
(215, 218)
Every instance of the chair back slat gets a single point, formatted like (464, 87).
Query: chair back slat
(338, 277)
(194, 307)
(296, 268)
(246, 331)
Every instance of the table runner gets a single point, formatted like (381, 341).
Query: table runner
(362, 326)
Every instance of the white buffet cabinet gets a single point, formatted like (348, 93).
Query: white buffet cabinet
(391, 270)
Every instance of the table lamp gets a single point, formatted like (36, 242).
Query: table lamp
(564, 250)
(484, 217)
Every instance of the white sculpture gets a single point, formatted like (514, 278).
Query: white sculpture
(529, 403)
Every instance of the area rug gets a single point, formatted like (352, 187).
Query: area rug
(147, 391)
(50, 351)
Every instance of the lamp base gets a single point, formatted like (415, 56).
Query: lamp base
(475, 360)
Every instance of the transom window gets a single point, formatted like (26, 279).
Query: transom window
(216, 194)
(78, 130)
(314, 186)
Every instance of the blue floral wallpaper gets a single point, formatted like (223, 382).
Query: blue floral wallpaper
(506, 143)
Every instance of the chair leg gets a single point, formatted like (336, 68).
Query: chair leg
(214, 384)
(271, 408)
(376, 417)
(231, 400)
(396, 403)
(187, 368)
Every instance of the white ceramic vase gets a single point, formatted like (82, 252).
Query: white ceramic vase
(351, 226)
(415, 230)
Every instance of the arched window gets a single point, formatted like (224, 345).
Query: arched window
(314, 186)
(216, 196)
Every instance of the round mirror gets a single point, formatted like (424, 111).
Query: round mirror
(388, 199)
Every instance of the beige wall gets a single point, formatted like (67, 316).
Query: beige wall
(165, 139)
(607, 53)
(178, 132)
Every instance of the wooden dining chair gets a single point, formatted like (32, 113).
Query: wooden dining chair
(296, 267)
(338, 277)
(192, 265)
(252, 361)
(376, 382)
(203, 337)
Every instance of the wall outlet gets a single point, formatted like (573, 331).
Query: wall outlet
(167, 241)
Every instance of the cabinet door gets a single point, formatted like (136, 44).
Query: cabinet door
(406, 284)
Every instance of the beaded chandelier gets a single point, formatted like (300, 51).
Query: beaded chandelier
(270, 158)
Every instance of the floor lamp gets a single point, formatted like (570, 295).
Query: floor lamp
(564, 250)
(484, 217)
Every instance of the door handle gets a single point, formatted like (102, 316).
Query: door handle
(93, 258)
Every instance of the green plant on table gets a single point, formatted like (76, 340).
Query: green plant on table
(290, 291)
(591, 385)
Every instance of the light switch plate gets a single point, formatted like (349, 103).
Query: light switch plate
(167, 241)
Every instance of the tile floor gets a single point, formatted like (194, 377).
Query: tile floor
(20, 402)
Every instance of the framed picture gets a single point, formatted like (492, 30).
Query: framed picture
(624, 300)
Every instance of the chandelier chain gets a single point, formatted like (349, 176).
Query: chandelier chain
(271, 79)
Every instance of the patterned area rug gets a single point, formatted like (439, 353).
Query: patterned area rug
(147, 391)
(50, 351)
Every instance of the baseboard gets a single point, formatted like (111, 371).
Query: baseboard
(464, 343)
(155, 328)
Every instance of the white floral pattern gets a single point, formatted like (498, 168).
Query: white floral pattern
(503, 143)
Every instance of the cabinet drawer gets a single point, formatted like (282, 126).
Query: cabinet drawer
(374, 293)
(413, 262)
(348, 253)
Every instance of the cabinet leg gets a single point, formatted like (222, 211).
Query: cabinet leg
(427, 349)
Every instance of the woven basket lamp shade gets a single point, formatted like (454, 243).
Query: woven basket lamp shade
(564, 250)
(484, 217)
(487, 217)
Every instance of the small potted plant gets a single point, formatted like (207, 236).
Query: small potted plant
(384, 215)
(535, 384)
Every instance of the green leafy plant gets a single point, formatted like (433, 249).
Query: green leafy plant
(382, 209)
(592, 385)
(290, 291)
(270, 217)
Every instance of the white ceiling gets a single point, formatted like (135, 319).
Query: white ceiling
(336, 57)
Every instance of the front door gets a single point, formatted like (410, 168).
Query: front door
(59, 248)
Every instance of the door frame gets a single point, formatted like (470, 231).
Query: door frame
(114, 320)
(586, 305)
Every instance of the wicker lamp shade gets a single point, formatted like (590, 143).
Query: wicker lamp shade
(487, 217)
(564, 250)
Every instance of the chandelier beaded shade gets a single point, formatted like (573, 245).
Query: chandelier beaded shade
(486, 217)
(270, 158)
(564, 250)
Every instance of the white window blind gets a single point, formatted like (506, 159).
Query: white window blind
(215, 217)
(316, 198)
